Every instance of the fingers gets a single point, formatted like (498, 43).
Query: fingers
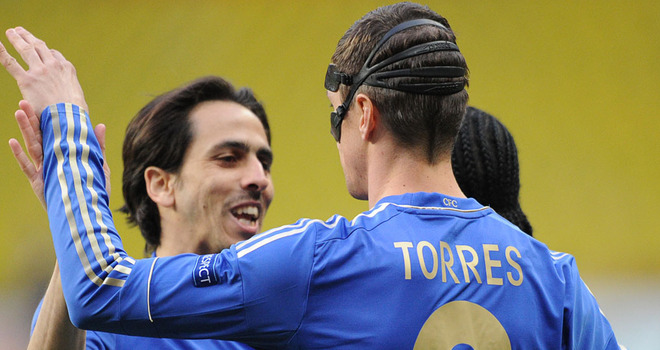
(25, 49)
(99, 131)
(22, 159)
(57, 55)
(39, 45)
(33, 51)
(29, 170)
(32, 118)
(11, 65)
(32, 142)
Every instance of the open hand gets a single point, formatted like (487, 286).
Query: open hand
(50, 78)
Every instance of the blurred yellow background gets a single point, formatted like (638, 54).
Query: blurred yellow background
(577, 83)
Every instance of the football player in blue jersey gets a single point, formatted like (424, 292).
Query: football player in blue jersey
(484, 161)
(169, 146)
(423, 267)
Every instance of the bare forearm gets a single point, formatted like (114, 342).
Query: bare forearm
(53, 329)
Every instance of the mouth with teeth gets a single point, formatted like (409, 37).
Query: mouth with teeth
(247, 215)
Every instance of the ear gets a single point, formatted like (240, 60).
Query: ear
(369, 118)
(160, 186)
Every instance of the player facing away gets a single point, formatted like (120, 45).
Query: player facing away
(191, 140)
(424, 265)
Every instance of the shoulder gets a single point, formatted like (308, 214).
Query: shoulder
(565, 265)
(304, 231)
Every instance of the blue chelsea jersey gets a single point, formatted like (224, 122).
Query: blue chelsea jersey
(416, 270)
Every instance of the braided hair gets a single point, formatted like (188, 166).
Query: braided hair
(485, 164)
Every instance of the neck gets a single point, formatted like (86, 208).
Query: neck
(176, 237)
(391, 171)
(170, 247)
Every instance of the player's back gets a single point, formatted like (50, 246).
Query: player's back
(432, 271)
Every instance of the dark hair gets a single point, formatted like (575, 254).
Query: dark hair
(485, 163)
(425, 122)
(159, 135)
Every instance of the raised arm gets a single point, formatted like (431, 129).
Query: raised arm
(90, 254)
(53, 329)
(94, 266)
(185, 296)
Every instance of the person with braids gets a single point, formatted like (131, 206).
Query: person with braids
(424, 267)
(485, 164)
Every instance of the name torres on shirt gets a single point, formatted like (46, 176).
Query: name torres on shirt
(425, 256)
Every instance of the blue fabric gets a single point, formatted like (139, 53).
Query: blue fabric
(370, 283)
(111, 341)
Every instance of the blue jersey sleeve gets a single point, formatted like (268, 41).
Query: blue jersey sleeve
(585, 324)
(100, 341)
(94, 267)
(221, 296)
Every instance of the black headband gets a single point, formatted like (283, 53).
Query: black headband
(369, 75)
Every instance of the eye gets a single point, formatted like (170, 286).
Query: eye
(266, 159)
(266, 163)
(227, 159)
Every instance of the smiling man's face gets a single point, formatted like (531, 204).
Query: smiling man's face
(224, 187)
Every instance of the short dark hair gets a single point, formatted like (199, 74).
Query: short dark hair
(426, 122)
(485, 163)
(159, 135)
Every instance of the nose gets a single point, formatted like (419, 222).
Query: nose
(255, 178)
